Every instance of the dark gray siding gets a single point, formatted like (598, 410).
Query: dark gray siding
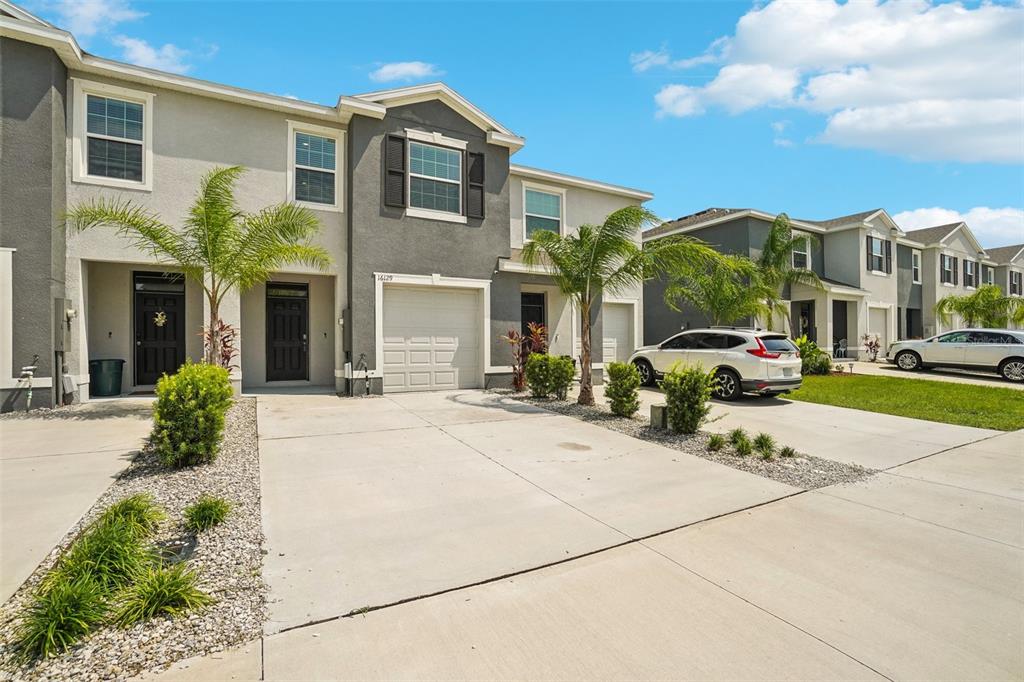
(32, 177)
(908, 294)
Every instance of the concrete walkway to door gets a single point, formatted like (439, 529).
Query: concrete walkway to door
(372, 501)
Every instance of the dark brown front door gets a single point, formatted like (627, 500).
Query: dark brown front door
(287, 332)
(159, 326)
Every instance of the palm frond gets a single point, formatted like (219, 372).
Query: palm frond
(276, 236)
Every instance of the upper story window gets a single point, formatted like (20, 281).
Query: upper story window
(112, 131)
(947, 269)
(802, 254)
(314, 176)
(1016, 282)
(543, 211)
(879, 252)
(915, 266)
(435, 178)
(970, 273)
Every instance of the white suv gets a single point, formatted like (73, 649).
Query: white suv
(988, 350)
(744, 360)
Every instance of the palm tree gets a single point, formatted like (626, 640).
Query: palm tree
(726, 290)
(606, 260)
(219, 247)
(775, 266)
(986, 307)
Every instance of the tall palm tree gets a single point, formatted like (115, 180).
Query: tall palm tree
(986, 307)
(726, 290)
(218, 246)
(775, 266)
(605, 259)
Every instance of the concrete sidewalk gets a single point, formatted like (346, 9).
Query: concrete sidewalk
(53, 466)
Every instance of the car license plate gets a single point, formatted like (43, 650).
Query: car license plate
(787, 372)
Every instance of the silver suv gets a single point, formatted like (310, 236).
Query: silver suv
(744, 360)
(989, 350)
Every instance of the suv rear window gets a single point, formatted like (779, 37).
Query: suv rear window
(778, 344)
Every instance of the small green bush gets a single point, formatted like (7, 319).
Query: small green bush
(189, 414)
(743, 447)
(787, 452)
(716, 442)
(622, 389)
(736, 435)
(160, 590)
(59, 616)
(813, 360)
(562, 372)
(139, 513)
(687, 392)
(765, 445)
(547, 374)
(206, 512)
(110, 552)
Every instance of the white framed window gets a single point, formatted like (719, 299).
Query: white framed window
(946, 269)
(970, 274)
(1015, 282)
(315, 155)
(802, 254)
(543, 209)
(877, 256)
(112, 136)
(915, 265)
(435, 176)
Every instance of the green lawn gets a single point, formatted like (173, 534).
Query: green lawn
(988, 407)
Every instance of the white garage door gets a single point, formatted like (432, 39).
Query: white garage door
(876, 325)
(431, 339)
(618, 331)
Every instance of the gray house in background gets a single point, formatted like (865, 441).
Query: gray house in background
(421, 208)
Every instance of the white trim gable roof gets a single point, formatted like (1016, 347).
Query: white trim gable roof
(962, 227)
(18, 13)
(496, 132)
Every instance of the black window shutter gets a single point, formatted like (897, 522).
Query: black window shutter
(394, 171)
(888, 256)
(867, 248)
(474, 185)
(956, 275)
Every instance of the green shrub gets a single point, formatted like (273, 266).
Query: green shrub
(813, 360)
(538, 375)
(59, 616)
(716, 442)
(765, 445)
(562, 371)
(743, 447)
(787, 452)
(622, 389)
(206, 512)
(687, 392)
(160, 590)
(110, 552)
(189, 414)
(139, 513)
(736, 435)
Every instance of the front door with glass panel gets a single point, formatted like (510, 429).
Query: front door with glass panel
(159, 325)
(287, 331)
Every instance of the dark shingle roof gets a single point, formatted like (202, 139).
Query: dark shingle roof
(692, 219)
(843, 220)
(1003, 254)
(930, 235)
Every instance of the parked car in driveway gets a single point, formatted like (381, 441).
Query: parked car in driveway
(744, 360)
(988, 350)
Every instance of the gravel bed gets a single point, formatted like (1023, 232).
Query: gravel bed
(803, 471)
(228, 558)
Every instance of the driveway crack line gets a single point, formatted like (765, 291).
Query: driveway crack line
(951, 485)
(944, 450)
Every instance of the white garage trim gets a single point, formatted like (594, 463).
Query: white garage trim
(434, 280)
(638, 331)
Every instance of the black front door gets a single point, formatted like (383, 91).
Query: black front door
(159, 326)
(532, 310)
(287, 332)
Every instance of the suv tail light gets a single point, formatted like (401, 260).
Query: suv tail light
(763, 352)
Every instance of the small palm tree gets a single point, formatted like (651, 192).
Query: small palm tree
(986, 307)
(775, 266)
(726, 290)
(219, 247)
(605, 259)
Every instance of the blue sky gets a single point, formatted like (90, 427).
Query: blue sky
(810, 107)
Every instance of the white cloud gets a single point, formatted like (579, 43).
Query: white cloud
(165, 58)
(992, 226)
(779, 128)
(404, 71)
(85, 18)
(649, 59)
(912, 78)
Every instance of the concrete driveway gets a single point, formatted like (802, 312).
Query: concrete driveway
(373, 501)
(956, 376)
(53, 466)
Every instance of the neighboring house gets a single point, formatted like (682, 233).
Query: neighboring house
(855, 256)
(953, 263)
(1007, 271)
(421, 209)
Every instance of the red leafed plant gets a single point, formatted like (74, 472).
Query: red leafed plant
(221, 335)
(519, 355)
(537, 341)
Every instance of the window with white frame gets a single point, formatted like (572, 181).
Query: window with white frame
(435, 178)
(946, 268)
(315, 166)
(915, 266)
(802, 253)
(970, 273)
(877, 258)
(543, 211)
(1015, 282)
(112, 132)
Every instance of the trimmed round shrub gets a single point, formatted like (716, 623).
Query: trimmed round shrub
(687, 396)
(562, 372)
(189, 414)
(623, 388)
(538, 375)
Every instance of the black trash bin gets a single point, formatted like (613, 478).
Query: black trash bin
(105, 377)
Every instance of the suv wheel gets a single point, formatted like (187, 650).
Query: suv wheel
(908, 360)
(646, 372)
(727, 385)
(1012, 369)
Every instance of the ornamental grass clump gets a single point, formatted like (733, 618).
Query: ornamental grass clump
(160, 591)
(687, 392)
(765, 445)
(189, 414)
(59, 616)
(743, 447)
(206, 512)
(139, 514)
(736, 435)
(787, 451)
(716, 442)
(623, 388)
(110, 552)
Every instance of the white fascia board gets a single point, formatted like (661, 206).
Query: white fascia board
(21, 14)
(505, 265)
(801, 226)
(910, 242)
(574, 181)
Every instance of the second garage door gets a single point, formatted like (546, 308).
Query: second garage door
(431, 339)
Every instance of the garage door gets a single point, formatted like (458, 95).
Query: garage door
(876, 325)
(431, 339)
(618, 331)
